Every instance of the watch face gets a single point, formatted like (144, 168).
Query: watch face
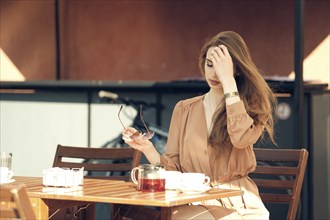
(283, 111)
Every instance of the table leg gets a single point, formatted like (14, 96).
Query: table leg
(40, 208)
(166, 213)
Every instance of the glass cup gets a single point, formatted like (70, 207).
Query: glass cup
(150, 178)
(5, 167)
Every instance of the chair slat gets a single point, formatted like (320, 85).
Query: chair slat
(96, 153)
(276, 170)
(275, 198)
(283, 155)
(277, 184)
(97, 167)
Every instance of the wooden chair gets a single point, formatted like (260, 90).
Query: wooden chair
(104, 163)
(15, 203)
(279, 175)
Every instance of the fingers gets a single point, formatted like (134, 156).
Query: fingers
(138, 144)
(222, 61)
(214, 58)
(129, 131)
(131, 134)
(220, 52)
(214, 55)
(135, 139)
(225, 51)
(127, 134)
(127, 139)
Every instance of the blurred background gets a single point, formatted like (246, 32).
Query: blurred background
(56, 55)
(153, 40)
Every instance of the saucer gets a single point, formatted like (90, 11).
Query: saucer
(188, 190)
(7, 181)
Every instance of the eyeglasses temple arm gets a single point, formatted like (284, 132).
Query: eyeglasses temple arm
(141, 117)
(121, 107)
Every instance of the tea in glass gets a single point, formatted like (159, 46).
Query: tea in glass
(151, 185)
(150, 178)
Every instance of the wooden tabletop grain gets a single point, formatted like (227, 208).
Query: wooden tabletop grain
(117, 192)
(44, 199)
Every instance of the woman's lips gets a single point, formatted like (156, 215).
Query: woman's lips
(213, 82)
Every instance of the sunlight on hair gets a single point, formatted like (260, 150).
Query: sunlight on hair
(316, 64)
(8, 70)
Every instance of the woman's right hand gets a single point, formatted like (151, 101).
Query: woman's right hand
(222, 63)
(139, 142)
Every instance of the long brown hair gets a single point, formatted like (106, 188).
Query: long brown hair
(256, 95)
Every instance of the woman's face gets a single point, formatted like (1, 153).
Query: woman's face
(210, 75)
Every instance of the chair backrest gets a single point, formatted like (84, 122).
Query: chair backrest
(15, 203)
(104, 163)
(279, 176)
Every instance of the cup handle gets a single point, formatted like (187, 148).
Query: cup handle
(207, 180)
(133, 175)
(10, 174)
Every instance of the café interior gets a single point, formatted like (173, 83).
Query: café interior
(68, 66)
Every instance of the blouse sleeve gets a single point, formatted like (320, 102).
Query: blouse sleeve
(171, 157)
(241, 128)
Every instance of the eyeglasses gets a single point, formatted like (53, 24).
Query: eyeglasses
(137, 135)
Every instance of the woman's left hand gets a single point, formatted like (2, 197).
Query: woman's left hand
(222, 63)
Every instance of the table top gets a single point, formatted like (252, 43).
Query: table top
(117, 192)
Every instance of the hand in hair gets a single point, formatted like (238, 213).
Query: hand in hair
(222, 63)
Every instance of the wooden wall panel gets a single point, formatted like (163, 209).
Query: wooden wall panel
(27, 37)
(150, 40)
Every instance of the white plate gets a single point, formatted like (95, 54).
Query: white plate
(7, 181)
(195, 190)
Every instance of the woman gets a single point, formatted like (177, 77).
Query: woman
(214, 133)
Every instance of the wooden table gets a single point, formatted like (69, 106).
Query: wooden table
(109, 191)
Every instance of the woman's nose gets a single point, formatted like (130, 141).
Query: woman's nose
(214, 74)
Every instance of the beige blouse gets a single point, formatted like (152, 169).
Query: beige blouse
(188, 151)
